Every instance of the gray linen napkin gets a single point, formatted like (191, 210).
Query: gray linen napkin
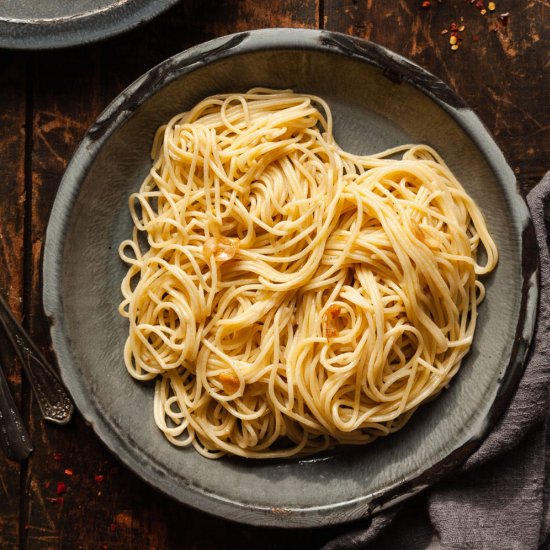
(498, 499)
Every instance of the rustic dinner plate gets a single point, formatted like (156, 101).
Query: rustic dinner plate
(45, 24)
(379, 100)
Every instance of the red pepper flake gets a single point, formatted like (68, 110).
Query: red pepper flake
(47, 484)
(56, 500)
(112, 527)
(61, 488)
(456, 34)
(503, 18)
(426, 4)
(68, 471)
(58, 457)
(480, 5)
(100, 478)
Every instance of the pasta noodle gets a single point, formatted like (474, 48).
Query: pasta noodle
(286, 295)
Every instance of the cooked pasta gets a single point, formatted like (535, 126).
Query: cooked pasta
(286, 295)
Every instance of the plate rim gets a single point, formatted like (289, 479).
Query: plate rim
(80, 29)
(123, 107)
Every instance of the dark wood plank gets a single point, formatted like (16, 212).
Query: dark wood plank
(502, 75)
(211, 18)
(12, 219)
(104, 503)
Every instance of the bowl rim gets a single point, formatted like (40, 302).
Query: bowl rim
(396, 68)
(82, 28)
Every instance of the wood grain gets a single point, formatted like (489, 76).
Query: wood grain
(12, 220)
(501, 75)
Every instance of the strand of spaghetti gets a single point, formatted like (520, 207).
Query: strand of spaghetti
(287, 295)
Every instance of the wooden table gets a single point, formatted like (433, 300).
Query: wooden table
(47, 100)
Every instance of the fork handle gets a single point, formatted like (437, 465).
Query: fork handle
(14, 437)
(52, 397)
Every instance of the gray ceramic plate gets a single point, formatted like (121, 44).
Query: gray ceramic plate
(379, 100)
(45, 24)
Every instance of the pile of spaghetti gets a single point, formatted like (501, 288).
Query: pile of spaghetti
(287, 295)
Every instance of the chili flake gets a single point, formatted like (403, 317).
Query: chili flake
(47, 484)
(61, 488)
(68, 471)
(426, 4)
(99, 478)
(333, 321)
(112, 527)
(230, 383)
(58, 457)
(456, 34)
(484, 8)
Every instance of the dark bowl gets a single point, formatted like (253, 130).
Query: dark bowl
(379, 100)
(48, 24)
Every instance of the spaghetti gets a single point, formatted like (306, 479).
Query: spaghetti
(286, 295)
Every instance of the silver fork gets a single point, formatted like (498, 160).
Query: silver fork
(54, 401)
